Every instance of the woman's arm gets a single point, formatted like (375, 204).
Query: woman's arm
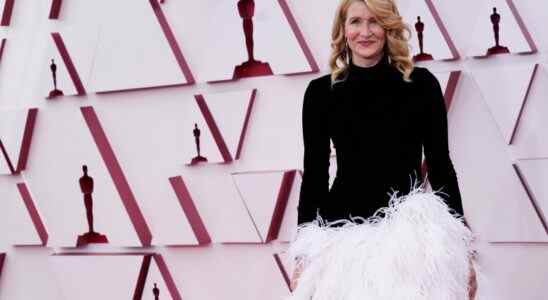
(315, 181)
(297, 270)
(441, 173)
(472, 282)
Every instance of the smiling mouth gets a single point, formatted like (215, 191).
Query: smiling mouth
(366, 43)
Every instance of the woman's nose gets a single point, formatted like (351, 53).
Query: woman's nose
(365, 30)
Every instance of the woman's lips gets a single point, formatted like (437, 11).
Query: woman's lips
(366, 43)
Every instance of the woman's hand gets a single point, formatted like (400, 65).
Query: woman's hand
(296, 274)
(472, 282)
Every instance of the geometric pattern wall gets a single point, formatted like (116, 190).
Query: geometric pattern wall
(144, 80)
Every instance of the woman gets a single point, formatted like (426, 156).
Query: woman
(379, 111)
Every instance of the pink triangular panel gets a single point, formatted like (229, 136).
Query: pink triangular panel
(533, 174)
(513, 34)
(160, 274)
(19, 227)
(65, 143)
(197, 120)
(495, 201)
(16, 130)
(6, 7)
(505, 90)
(90, 277)
(159, 61)
(260, 192)
(278, 42)
(73, 57)
(190, 211)
(193, 267)
(436, 39)
(2, 259)
(448, 82)
(230, 112)
(34, 214)
(289, 221)
(117, 174)
(232, 223)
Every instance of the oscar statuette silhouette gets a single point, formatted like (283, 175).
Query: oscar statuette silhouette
(497, 49)
(419, 28)
(90, 237)
(156, 292)
(251, 67)
(55, 92)
(199, 158)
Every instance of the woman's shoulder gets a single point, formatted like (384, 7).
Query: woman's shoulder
(422, 75)
(320, 83)
(317, 93)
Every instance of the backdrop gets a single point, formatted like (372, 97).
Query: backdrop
(146, 84)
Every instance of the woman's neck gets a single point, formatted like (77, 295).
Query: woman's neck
(366, 62)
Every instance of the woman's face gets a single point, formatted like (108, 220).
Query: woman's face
(365, 36)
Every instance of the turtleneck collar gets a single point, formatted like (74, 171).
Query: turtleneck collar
(381, 68)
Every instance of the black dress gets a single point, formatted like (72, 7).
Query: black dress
(379, 125)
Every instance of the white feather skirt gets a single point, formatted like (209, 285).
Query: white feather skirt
(416, 248)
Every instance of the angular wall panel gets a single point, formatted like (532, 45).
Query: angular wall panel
(288, 227)
(159, 274)
(117, 174)
(113, 276)
(227, 129)
(528, 264)
(247, 261)
(266, 195)
(16, 131)
(533, 174)
(311, 26)
(73, 50)
(4, 166)
(273, 26)
(17, 227)
(448, 82)
(96, 276)
(190, 211)
(529, 139)
(513, 32)
(436, 39)
(199, 130)
(2, 46)
(149, 146)
(285, 267)
(135, 53)
(494, 200)
(19, 52)
(6, 7)
(2, 258)
(220, 205)
(55, 9)
(27, 275)
(210, 216)
(172, 40)
(273, 139)
(62, 144)
(33, 212)
(505, 90)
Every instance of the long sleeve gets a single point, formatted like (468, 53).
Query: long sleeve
(315, 181)
(441, 173)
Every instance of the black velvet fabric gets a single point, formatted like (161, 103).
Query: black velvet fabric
(379, 125)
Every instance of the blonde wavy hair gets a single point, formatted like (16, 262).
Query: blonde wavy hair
(396, 46)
